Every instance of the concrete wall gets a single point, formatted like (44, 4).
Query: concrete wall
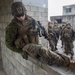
(40, 3)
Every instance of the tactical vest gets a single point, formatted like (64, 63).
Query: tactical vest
(26, 33)
(67, 34)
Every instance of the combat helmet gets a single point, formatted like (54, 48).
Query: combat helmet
(18, 9)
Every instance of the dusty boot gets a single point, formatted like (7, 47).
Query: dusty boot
(25, 55)
(72, 65)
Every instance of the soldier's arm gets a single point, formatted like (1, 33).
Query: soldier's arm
(10, 37)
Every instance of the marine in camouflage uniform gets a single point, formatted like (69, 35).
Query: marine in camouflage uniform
(52, 37)
(22, 37)
(61, 31)
(68, 38)
(57, 31)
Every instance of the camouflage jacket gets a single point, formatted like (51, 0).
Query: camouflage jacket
(18, 34)
(68, 34)
(56, 30)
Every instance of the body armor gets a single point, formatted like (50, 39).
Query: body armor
(26, 33)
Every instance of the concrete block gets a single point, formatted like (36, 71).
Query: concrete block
(16, 0)
(5, 64)
(11, 66)
(7, 18)
(27, 7)
(11, 72)
(37, 14)
(3, 46)
(13, 60)
(7, 55)
(2, 51)
(44, 14)
(27, 64)
(17, 72)
(8, 9)
(23, 61)
(4, 26)
(1, 33)
(10, 18)
(7, 71)
(42, 18)
(21, 68)
(9, 51)
(41, 9)
(36, 18)
(38, 71)
(29, 73)
(34, 8)
(2, 18)
(30, 13)
(1, 26)
(45, 24)
(17, 56)
(46, 10)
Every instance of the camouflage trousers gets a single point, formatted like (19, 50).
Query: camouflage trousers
(52, 45)
(44, 55)
(68, 48)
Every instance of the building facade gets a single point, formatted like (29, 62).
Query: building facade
(68, 15)
(69, 9)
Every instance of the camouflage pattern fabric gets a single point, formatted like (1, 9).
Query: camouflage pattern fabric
(67, 36)
(44, 55)
(57, 31)
(19, 34)
(52, 38)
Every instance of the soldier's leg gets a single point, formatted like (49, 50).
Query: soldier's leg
(52, 45)
(44, 55)
(25, 53)
(71, 50)
(31, 50)
(65, 48)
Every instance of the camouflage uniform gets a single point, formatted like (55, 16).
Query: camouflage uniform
(61, 31)
(57, 31)
(23, 37)
(68, 38)
(52, 38)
